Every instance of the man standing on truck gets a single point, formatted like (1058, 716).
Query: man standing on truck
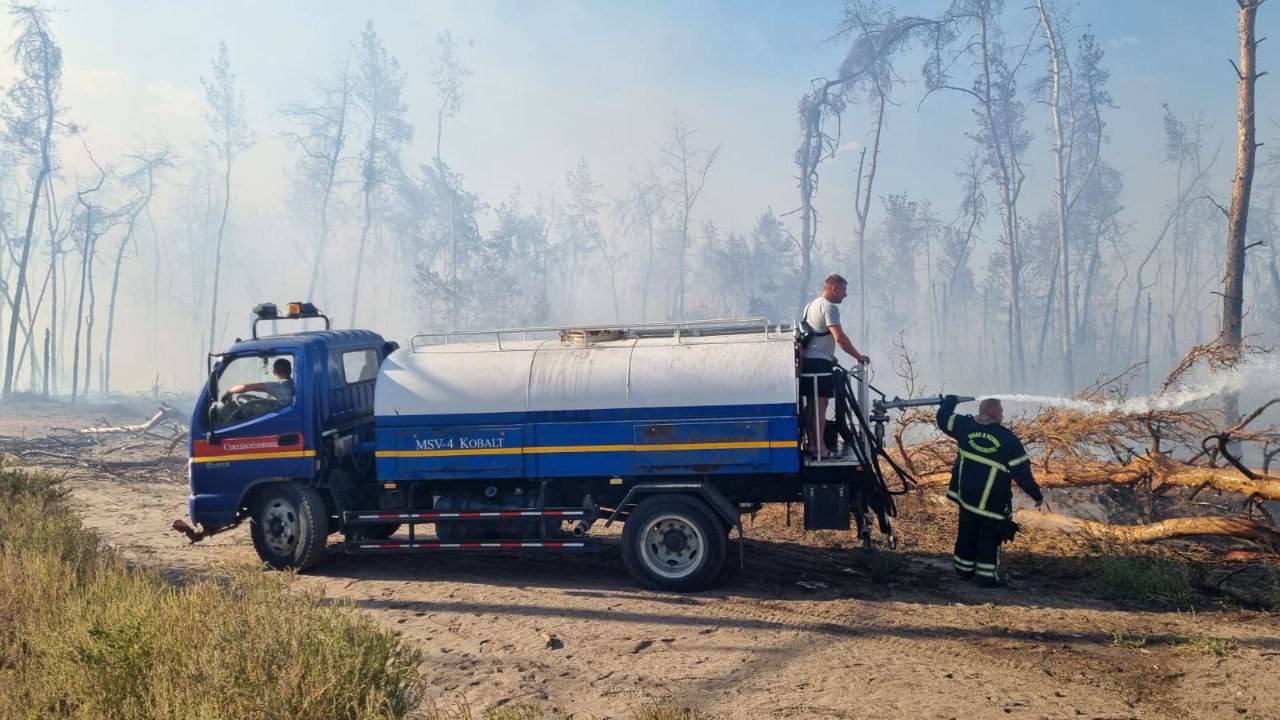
(823, 316)
(990, 459)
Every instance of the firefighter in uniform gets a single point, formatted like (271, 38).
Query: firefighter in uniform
(990, 458)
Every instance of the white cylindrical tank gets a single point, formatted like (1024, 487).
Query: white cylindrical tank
(748, 369)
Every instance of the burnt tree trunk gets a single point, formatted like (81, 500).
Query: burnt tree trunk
(1246, 148)
(85, 270)
(1057, 68)
(862, 209)
(217, 255)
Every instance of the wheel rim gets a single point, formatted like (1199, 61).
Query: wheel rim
(672, 546)
(280, 526)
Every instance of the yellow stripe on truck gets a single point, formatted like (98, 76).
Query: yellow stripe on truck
(547, 449)
(255, 456)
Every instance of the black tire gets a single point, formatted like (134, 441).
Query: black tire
(674, 542)
(289, 526)
(377, 532)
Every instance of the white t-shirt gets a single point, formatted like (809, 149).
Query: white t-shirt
(821, 314)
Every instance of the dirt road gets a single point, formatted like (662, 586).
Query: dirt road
(809, 630)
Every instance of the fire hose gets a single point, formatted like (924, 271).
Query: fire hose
(877, 495)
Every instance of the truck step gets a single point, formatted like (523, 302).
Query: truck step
(367, 517)
(391, 546)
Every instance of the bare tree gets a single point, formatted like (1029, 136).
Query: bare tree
(230, 137)
(1075, 92)
(58, 234)
(862, 207)
(648, 205)
(1001, 118)
(873, 89)
(973, 211)
(141, 180)
(447, 76)
(30, 113)
(379, 84)
(1233, 283)
(584, 233)
(87, 248)
(877, 36)
(688, 165)
(321, 144)
(1063, 111)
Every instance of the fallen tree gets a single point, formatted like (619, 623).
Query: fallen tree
(1159, 470)
(1235, 527)
(1154, 445)
(164, 412)
(131, 452)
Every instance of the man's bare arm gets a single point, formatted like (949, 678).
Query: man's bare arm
(246, 387)
(837, 333)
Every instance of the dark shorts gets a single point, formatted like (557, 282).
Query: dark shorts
(826, 388)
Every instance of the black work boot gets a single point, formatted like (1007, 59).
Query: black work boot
(963, 575)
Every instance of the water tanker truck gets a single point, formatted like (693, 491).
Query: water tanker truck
(524, 440)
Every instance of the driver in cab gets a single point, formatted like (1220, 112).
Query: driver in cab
(281, 389)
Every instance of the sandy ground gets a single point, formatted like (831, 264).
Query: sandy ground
(805, 631)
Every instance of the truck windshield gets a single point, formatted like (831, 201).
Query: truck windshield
(252, 386)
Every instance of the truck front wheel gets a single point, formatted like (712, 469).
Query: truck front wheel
(289, 526)
(674, 542)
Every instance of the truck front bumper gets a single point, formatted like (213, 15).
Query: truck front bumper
(211, 512)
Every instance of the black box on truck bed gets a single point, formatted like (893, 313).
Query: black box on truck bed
(826, 506)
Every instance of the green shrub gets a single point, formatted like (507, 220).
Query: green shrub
(1126, 639)
(84, 635)
(1143, 580)
(1219, 647)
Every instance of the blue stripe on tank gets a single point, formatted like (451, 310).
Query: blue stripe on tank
(615, 428)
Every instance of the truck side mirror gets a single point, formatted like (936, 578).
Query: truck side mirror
(210, 413)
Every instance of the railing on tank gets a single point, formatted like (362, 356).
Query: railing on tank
(676, 330)
(808, 385)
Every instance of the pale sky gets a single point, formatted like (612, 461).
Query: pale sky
(553, 81)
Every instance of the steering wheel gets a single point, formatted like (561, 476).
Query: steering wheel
(250, 397)
(250, 404)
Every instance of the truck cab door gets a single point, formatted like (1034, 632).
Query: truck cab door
(258, 429)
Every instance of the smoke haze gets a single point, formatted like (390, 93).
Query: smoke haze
(560, 191)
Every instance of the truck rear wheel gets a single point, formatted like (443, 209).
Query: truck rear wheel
(674, 542)
(289, 526)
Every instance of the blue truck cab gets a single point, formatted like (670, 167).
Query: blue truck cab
(674, 430)
(280, 411)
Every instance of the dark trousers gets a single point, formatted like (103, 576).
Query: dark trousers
(978, 546)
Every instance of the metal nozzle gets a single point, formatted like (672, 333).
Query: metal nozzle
(898, 403)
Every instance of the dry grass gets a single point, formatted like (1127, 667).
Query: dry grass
(84, 635)
(1143, 580)
(666, 712)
